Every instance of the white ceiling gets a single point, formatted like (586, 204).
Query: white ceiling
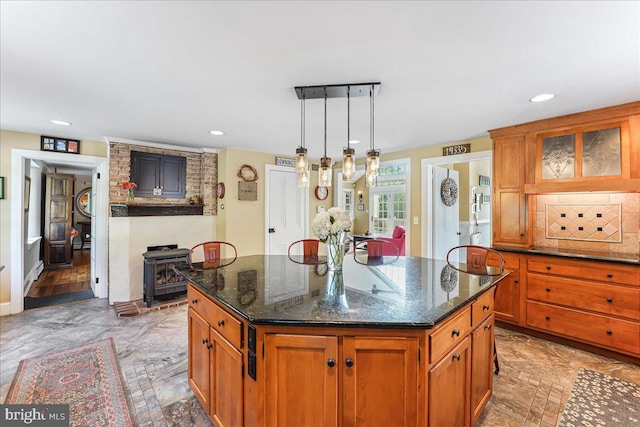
(171, 71)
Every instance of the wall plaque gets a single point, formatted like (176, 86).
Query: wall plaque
(284, 161)
(456, 149)
(247, 191)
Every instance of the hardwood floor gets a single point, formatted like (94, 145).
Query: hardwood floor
(63, 281)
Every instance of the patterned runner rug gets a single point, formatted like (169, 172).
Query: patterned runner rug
(600, 400)
(86, 377)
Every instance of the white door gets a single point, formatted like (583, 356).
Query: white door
(445, 218)
(287, 209)
(93, 248)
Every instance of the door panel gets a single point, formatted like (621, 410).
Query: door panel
(446, 223)
(199, 365)
(285, 211)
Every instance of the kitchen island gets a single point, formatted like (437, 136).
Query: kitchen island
(275, 342)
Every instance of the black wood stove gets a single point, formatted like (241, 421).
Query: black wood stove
(159, 277)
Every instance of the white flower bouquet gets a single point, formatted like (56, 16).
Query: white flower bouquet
(331, 222)
(329, 227)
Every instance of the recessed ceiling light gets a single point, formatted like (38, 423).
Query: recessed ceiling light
(216, 132)
(542, 97)
(354, 141)
(61, 122)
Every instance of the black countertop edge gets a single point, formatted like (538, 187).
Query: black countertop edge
(576, 254)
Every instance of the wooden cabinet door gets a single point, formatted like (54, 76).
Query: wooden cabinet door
(481, 367)
(157, 171)
(369, 398)
(449, 382)
(507, 299)
(227, 404)
(199, 369)
(510, 210)
(173, 176)
(58, 220)
(301, 380)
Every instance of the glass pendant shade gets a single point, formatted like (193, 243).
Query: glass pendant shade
(302, 161)
(303, 179)
(372, 167)
(325, 173)
(349, 165)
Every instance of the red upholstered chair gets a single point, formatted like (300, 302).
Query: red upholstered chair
(378, 251)
(309, 249)
(478, 258)
(209, 255)
(397, 238)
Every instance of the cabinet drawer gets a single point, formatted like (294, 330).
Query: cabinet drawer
(511, 261)
(622, 335)
(220, 320)
(608, 273)
(449, 334)
(482, 308)
(600, 297)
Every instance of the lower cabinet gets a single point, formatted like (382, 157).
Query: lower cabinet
(449, 386)
(359, 378)
(509, 293)
(215, 373)
(482, 339)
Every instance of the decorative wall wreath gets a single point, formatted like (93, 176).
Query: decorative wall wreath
(221, 190)
(248, 173)
(449, 191)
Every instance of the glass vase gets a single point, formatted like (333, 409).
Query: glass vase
(335, 251)
(130, 198)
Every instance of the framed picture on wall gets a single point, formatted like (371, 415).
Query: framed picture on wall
(360, 206)
(61, 145)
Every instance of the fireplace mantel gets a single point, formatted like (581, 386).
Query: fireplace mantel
(155, 210)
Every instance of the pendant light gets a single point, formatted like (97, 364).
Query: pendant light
(302, 160)
(348, 154)
(325, 173)
(372, 167)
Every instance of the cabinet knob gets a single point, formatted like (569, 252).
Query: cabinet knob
(548, 289)
(609, 299)
(610, 275)
(194, 301)
(349, 362)
(487, 327)
(209, 346)
(516, 281)
(205, 340)
(548, 267)
(609, 332)
(548, 317)
(455, 332)
(220, 322)
(485, 307)
(521, 234)
(456, 357)
(331, 362)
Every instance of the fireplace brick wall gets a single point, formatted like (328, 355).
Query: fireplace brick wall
(202, 176)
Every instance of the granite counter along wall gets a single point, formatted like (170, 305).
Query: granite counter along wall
(620, 231)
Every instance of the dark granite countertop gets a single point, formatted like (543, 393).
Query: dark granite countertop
(633, 259)
(409, 293)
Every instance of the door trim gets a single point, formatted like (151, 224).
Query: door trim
(426, 179)
(17, 218)
(267, 201)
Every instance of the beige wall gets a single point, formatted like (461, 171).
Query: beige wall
(24, 141)
(242, 222)
(416, 155)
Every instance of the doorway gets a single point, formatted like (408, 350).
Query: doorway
(98, 167)
(468, 164)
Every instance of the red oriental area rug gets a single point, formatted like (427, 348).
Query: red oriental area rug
(85, 377)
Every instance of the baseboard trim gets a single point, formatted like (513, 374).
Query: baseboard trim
(5, 308)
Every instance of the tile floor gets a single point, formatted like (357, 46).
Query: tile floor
(534, 383)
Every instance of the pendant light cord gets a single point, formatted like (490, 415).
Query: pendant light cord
(348, 117)
(325, 122)
(302, 120)
(372, 118)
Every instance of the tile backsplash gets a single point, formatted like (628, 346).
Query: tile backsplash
(590, 221)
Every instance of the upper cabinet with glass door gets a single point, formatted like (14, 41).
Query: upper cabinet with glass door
(586, 153)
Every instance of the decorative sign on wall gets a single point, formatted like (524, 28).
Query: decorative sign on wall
(285, 161)
(456, 149)
(248, 191)
(61, 145)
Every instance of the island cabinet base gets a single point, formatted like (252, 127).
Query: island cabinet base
(341, 376)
